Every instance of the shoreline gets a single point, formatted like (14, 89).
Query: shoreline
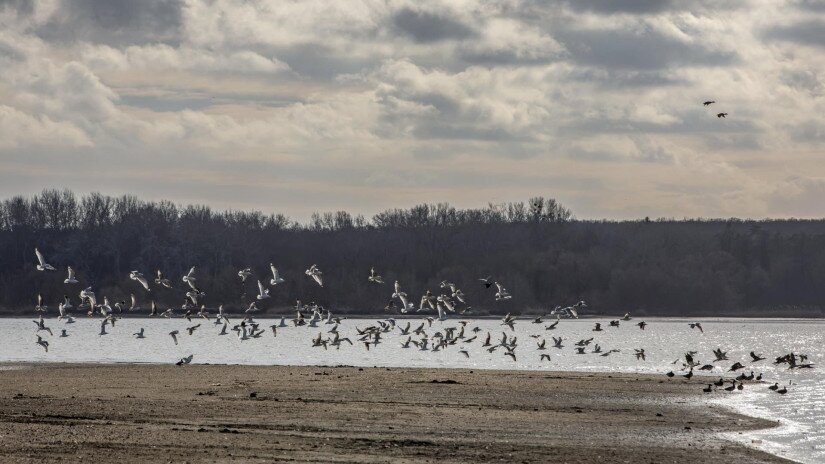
(224, 413)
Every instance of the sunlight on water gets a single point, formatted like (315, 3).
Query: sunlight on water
(801, 412)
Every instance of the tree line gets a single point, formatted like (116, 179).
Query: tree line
(536, 249)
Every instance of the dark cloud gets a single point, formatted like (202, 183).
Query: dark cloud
(810, 5)
(21, 7)
(808, 32)
(427, 27)
(115, 22)
(647, 50)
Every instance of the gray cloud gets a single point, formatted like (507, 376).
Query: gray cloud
(115, 22)
(426, 27)
(808, 32)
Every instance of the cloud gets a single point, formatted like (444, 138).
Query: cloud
(807, 32)
(423, 26)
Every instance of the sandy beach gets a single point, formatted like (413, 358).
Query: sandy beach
(203, 413)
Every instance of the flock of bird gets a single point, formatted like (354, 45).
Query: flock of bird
(718, 115)
(424, 336)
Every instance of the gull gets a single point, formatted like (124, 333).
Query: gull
(642, 325)
(315, 273)
(162, 281)
(640, 353)
(263, 292)
(223, 330)
(252, 307)
(42, 265)
(488, 282)
(203, 313)
(276, 277)
(42, 343)
(70, 279)
(736, 366)
(720, 355)
(709, 102)
(103, 326)
(105, 308)
(427, 299)
(41, 325)
(185, 360)
(696, 325)
(626, 317)
(580, 350)
(598, 327)
(174, 335)
(607, 353)
(544, 357)
(708, 389)
(541, 344)
(63, 333)
(510, 354)
(502, 294)
(135, 275)
(375, 277)
(63, 309)
(755, 357)
(283, 322)
(168, 313)
(553, 325)
(721, 115)
(139, 334)
(244, 273)
(274, 329)
(465, 353)
(153, 309)
(614, 323)
(192, 329)
(40, 308)
(509, 321)
(189, 278)
(557, 343)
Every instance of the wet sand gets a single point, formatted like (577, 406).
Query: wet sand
(198, 413)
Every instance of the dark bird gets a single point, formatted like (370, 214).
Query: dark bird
(774, 387)
(708, 389)
(709, 102)
(721, 115)
(598, 327)
(642, 325)
(756, 357)
(670, 374)
(688, 375)
(736, 366)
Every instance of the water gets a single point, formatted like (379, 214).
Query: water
(801, 412)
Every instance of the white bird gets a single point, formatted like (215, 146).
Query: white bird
(162, 281)
(40, 308)
(263, 292)
(135, 275)
(375, 277)
(252, 308)
(244, 273)
(70, 279)
(276, 277)
(42, 264)
(134, 304)
(190, 277)
(315, 273)
(502, 293)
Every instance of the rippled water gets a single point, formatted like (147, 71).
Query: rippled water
(801, 412)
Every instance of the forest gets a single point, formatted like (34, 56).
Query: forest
(536, 249)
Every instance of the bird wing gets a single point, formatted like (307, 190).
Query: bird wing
(71, 273)
(317, 278)
(39, 257)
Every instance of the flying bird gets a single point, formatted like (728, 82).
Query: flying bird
(70, 279)
(315, 273)
(709, 102)
(721, 115)
(42, 265)
(276, 278)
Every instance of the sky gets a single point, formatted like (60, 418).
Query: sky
(295, 107)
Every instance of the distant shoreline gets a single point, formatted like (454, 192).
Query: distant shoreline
(321, 414)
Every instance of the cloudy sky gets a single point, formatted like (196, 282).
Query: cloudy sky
(316, 105)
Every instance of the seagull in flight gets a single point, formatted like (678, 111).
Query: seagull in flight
(709, 102)
(40, 308)
(174, 335)
(263, 292)
(721, 115)
(135, 275)
(276, 277)
(502, 293)
(488, 281)
(42, 265)
(70, 279)
(160, 280)
(42, 343)
(244, 273)
(315, 273)
(189, 278)
(375, 277)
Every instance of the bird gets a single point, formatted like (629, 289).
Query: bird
(709, 102)
(640, 353)
(42, 343)
(40, 308)
(755, 357)
(139, 334)
(642, 325)
(184, 360)
(598, 328)
(174, 335)
(160, 280)
(263, 292)
(373, 277)
(544, 357)
(63, 333)
(708, 389)
(502, 293)
(42, 265)
(721, 115)
(244, 274)
(696, 325)
(135, 275)
(736, 366)
(192, 329)
(276, 278)
(70, 279)
(774, 387)
(670, 374)
(782, 390)
(189, 278)
(315, 273)
(488, 281)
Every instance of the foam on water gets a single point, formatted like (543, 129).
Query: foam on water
(801, 412)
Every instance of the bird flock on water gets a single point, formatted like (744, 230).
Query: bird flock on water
(451, 299)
